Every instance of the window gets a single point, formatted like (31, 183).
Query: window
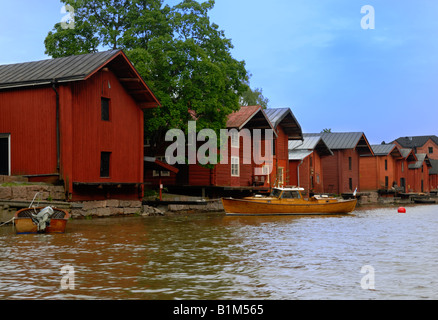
(430, 150)
(266, 171)
(105, 158)
(402, 167)
(350, 163)
(235, 167)
(386, 182)
(234, 138)
(105, 104)
(280, 176)
(350, 183)
(386, 165)
(5, 154)
(290, 195)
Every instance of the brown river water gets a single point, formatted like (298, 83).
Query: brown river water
(215, 257)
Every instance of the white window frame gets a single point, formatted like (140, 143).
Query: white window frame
(8, 135)
(235, 166)
(235, 139)
(281, 176)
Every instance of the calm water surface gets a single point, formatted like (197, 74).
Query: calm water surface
(214, 257)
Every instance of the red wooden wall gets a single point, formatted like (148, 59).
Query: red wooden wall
(29, 116)
(337, 172)
(90, 135)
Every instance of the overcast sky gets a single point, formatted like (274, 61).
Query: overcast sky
(310, 55)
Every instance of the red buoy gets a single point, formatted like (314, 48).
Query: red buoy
(401, 210)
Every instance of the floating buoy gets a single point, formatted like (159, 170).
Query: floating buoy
(401, 210)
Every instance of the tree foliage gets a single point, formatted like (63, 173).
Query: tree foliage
(184, 57)
(254, 97)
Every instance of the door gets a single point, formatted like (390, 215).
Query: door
(4, 155)
(403, 184)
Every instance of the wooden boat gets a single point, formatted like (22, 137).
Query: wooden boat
(424, 201)
(287, 201)
(24, 224)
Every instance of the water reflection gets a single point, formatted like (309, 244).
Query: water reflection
(219, 257)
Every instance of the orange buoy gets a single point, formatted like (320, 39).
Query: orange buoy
(401, 210)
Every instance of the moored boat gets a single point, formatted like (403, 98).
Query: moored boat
(287, 201)
(41, 220)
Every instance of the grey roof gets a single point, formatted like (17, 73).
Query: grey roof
(421, 157)
(342, 140)
(65, 69)
(434, 164)
(405, 152)
(383, 149)
(299, 154)
(415, 141)
(311, 144)
(286, 118)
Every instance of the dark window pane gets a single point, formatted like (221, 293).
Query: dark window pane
(4, 156)
(105, 102)
(105, 164)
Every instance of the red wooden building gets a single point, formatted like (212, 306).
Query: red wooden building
(341, 171)
(420, 145)
(379, 172)
(239, 172)
(418, 174)
(77, 120)
(407, 157)
(287, 129)
(305, 165)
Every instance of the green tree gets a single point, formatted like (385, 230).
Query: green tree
(254, 97)
(184, 57)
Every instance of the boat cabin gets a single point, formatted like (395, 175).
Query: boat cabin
(287, 193)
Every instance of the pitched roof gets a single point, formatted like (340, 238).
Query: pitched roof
(310, 144)
(286, 118)
(434, 168)
(77, 68)
(299, 154)
(252, 117)
(408, 154)
(416, 141)
(345, 140)
(386, 149)
(422, 157)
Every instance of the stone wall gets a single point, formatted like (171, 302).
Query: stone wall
(20, 192)
(105, 208)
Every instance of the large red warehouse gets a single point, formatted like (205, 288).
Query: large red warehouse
(77, 120)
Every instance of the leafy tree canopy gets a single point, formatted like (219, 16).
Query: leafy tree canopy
(184, 57)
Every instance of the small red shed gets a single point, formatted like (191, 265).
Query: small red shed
(341, 171)
(305, 163)
(379, 172)
(77, 120)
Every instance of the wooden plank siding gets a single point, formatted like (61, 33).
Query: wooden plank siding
(29, 116)
(96, 157)
(122, 136)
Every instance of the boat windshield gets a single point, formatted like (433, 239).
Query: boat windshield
(275, 193)
(291, 195)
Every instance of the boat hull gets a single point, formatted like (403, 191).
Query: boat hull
(258, 208)
(25, 225)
